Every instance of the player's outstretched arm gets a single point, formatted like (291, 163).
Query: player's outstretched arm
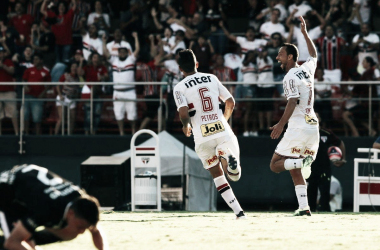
(279, 127)
(17, 238)
(99, 239)
(229, 108)
(309, 42)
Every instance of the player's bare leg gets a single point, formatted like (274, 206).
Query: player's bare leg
(279, 164)
(120, 124)
(225, 190)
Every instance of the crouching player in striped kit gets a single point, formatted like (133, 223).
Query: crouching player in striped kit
(197, 99)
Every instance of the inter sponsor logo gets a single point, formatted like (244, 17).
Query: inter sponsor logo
(296, 150)
(212, 128)
(308, 152)
(211, 160)
(197, 80)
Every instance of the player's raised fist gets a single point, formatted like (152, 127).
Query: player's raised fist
(302, 24)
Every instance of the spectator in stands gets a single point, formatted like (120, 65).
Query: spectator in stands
(94, 71)
(65, 95)
(214, 13)
(33, 8)
(37, 73)
(376, 144)
(249, 72)
(367, 44)
(118, 42)
(336, 13)
(273, 47)
(234, 60)
(266, 13)
(22, 62)
(360, 14)
(82, 10)
(172, 76)
(9, 35)
(265, 89)
(273, 26)
(174, 21)
(330, 48)
(247, 43)
(223, 73)
(22, 23)
(321, 92)
(197, 26)
(61, 26)
(123, 71)
(299, 8)
(254, 12)
(45, 43)
(91, 42)
(203, 50)
(358, 110)
(295, 33)
(7, 108)
(99, 19)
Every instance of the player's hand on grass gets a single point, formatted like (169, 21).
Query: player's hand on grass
(187, 130)
(339, 163)
(302, 25)
(276, 131)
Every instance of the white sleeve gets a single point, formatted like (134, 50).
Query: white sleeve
(107, 19)
(311, 64)
(90, 19)
(100, 48)
(358, 1)
(377, 73)
(240, 39)
(262, 29)
(179, 98)
(290, 88)
(334, 188)
(224, 94)
(109, 47)
(355, 39)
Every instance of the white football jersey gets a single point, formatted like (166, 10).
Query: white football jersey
(299, 83)
(123, 71)
(200, 92)
(91, 45)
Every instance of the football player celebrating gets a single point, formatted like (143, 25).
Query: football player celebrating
(197, 99)
(32, 196)
(298, 148)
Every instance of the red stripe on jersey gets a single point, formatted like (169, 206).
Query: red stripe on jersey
(145, 148)
(191, 105)
(222, 186)
(329, 55)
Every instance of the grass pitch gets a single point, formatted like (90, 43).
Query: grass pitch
(219, 230)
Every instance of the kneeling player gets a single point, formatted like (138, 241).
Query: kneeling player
(197, 98)
(32, 196)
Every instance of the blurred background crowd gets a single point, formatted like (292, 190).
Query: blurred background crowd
(137, 40)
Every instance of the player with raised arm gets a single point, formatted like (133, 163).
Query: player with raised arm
(197, 99)
(299, 146)
(31, 197)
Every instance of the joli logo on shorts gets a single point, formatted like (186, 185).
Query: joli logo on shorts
(212, 128)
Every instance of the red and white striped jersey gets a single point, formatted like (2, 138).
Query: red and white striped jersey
(265, 72)
(330, 51)
(144, 74)
(123, 71)
(250, 45)
(91, 45)
(224, 74)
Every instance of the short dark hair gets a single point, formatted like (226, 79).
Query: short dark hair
(250, 28)
(291, 49)
(180, 33)
(39, 55)
(86, 207)
(186, 60)
(370, 60)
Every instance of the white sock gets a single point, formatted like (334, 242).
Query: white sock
(301, 192)
(290, 164)
(226, 192)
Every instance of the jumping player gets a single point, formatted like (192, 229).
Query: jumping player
(197, 99)
(31, 196)
(298, 148)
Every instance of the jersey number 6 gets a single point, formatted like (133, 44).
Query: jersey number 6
(206, 100)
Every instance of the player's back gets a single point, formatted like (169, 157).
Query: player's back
(299, 82)
(201, 93)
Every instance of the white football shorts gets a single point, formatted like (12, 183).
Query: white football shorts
(210, 151)
(120, 108)
(298, 143)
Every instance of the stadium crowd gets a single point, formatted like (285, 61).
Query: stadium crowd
(129, 41)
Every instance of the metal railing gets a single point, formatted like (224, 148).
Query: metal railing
(161, 100)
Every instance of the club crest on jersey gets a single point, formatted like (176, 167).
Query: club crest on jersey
(311, 120)
(296, 150)
(308, 152)
(211, 160)
(145, 160)
(212, 128)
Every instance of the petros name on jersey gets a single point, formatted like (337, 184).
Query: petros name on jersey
(206, 118)
(197, 80)
(212, 128)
